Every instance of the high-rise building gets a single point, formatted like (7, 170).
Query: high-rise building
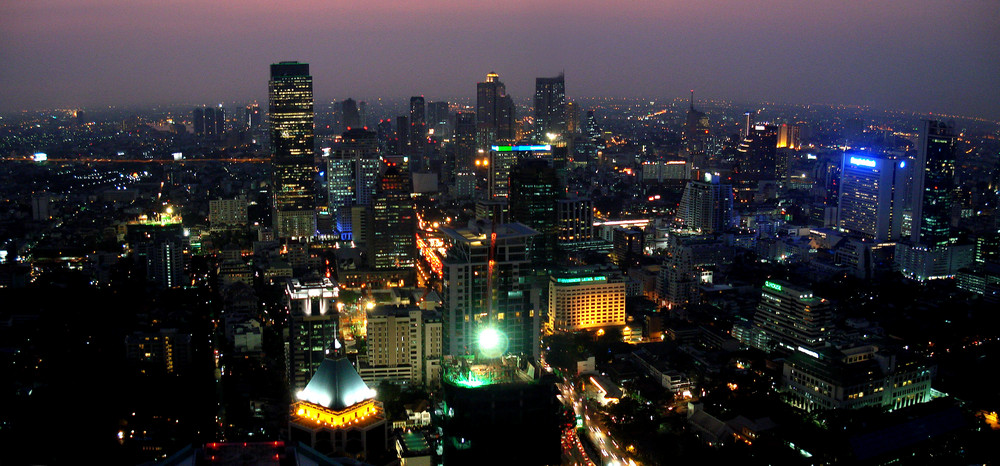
(160, 245)
(789, 136)
(695, 128)
(579, 300)
(404, 346)
(395, 222)
(402, 134)
(707, 205)
(352, 173)
(254, 117)
(198, 120)
(791, 317)
(757, 161)
(313, 325)
(349, 110)
(534, 189)
(465, 140)
(550, 106)
(292, 164)
(418, 124)
(933, 184)
(227, 213)
(503, 158)
(483, 272)
(575, 221)
(439, 119)
(871, 198)
(494, 112)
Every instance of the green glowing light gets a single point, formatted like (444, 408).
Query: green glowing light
(492, 342)
(580, 279)
(773, 286)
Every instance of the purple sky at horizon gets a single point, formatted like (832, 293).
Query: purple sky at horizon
(919, 55)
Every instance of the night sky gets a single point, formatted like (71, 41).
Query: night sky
(920, 55)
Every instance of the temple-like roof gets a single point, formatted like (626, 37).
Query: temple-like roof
(336, 385)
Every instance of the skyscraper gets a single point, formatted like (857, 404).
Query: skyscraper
(418, 124)
(292, 165)
(550, 106)
(494, 112)
(395, 222)
(707, 205)
(933, 183)
(352, 175)
(871, 195)
(695, 128)
(534, 189)
(484, 268)
(757, 160)
(349, 110)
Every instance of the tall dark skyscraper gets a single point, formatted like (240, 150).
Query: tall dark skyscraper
(352, 175)
(418, 124)
(292, 167)
(438, 119)
(494, 112)
(352, 118)
(550, 106)
(757, 160)
(534, 189)
(695, 128)
(933, 183)
(395, 222)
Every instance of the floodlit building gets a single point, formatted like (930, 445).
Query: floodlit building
(337, 414)
(580, 301)
(291, 114)
(791, 317)
(871, 195)
(404, 345)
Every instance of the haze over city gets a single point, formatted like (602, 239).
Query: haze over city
(923, 56)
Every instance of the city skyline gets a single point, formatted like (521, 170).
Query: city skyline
(72, 55)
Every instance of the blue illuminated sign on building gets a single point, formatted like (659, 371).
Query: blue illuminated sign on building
(521, 148)
(863, 162)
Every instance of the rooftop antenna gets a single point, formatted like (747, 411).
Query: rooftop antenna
(692, 99)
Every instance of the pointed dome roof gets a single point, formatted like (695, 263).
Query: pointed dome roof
(336, 385)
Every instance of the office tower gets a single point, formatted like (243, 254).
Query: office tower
(210, 125)
(418, 124)
(292, 166)
(789, 136)
(574, 221)
(363, 113)
(349, 110)
(550, 107)
(572, 118)
(592, 130)
(403, 346)
(395, 224)
(502, 159)
(220, 121)
(384, 135)
(789, 316)
(580, 300)
(337, 414)
(41, 209)
(871, 195)
(465, 140)
(484, 269)
(707, 206)
(402, 134)
(748, 124)
(534, 189)
(313, 325)
(678, 284)
(198, 120)
(254, 117)
(757, 161)
(626, 246)
(933, 184)
(438, 118)
(695, 128)
(352, 175)
(494, 112)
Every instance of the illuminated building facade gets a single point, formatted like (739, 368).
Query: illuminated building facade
(404, 345)
(165, 352)
(337, 414)
(854, 378)
(503, 158)
(586, 301)
(292, 166)
(792, 317)
(789, 136)
(933, 185)
(574, 221)
(161, 246)
(871, 197)
(550, 106)
(480, 294)
(227, 213)
(707, 206)
(395, 224)
(352, 174)
(757, 160)
(313, 324)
